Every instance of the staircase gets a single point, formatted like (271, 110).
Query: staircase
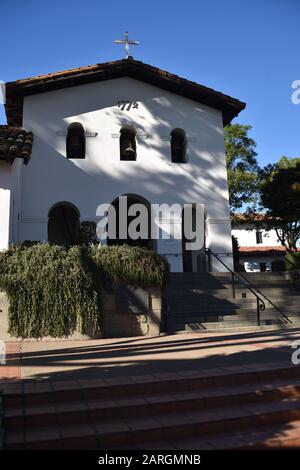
(204, 302)
(250, 406)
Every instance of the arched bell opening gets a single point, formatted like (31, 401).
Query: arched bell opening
(178, 146)
(127, 144)
(75, 141)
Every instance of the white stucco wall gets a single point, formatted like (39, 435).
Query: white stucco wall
(16, 199)
(248, 237)
(10, 201)
(5, 198)
(101, 177)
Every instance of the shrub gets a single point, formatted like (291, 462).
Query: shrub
(88, 233)
(238, 265)
(49, 290)
(52, 289)
(133, 265)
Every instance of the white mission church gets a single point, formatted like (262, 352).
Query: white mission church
(79, 138)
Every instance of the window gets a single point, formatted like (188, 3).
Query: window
(178, 146)
(259, 237)
(75, 141)
(127, 144)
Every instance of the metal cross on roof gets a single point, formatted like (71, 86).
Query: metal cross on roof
(127, 42)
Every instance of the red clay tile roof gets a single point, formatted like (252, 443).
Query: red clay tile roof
(261, 250)
(246, 218)
(15, 91)
(15, 142)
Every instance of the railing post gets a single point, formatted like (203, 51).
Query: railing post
(233, 285)
(209, 260)
(258, 311)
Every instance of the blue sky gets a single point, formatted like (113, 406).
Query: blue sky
(248, 49)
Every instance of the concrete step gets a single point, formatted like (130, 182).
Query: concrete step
(67, 413)
(221, 276)
(137, 411)
(215, 283)
(209, 311)
(189, 295)
(195, 301)
(38, 393)
(213, 288)
(136, 431)
(224, 292)
(179, 324)
(240, 328)
(274, 436)
(232, 325)
(228, 309)
(214, 327)
(226, 276)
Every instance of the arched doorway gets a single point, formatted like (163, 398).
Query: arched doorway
(63, 224)
(132, 227)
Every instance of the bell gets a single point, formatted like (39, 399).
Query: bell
(129, 151)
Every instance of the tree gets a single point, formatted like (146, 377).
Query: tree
(284, 162)
(242, 167)
(238, 266)
(280, 195)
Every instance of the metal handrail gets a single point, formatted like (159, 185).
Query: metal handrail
(260, 304)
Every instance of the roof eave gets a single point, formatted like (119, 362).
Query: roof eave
(15, 91)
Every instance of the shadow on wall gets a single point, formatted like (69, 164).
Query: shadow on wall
(67, 178)
(125, 310)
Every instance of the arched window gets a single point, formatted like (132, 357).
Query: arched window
(178, 146)
(127, 144)
(75, 141)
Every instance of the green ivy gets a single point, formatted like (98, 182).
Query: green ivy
(52, 289)
(133, 265)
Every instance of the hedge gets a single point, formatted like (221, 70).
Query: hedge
(133, 265)
(51, 288)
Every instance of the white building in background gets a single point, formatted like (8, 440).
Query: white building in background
(258, 247)
(119, 128)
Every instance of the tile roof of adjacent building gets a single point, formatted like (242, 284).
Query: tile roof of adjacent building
(15, 142)
(262, 250)
(15, 91)
(249, 218)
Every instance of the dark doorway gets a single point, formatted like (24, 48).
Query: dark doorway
(63, 225)
(144, 240)
(192, 260)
